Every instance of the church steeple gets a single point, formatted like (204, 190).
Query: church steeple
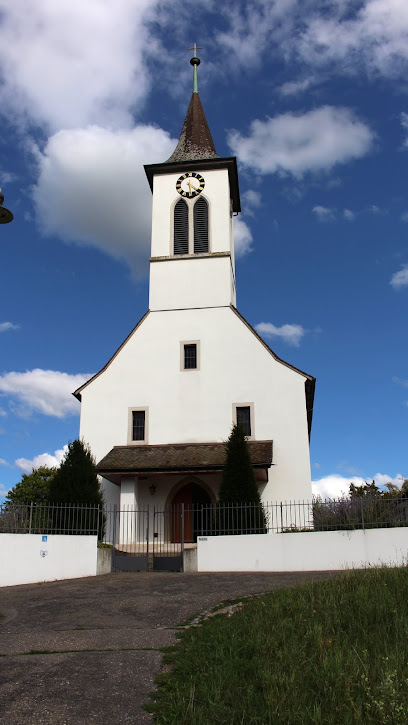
(195, 141)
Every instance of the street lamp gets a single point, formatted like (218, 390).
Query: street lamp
(5, 215)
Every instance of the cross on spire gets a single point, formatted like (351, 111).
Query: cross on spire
(195, 48)
(195, 61)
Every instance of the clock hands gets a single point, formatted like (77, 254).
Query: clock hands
(191, 186)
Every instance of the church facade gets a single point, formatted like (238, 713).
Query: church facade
(157, 416)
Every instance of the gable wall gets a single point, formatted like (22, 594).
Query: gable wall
(196, 406)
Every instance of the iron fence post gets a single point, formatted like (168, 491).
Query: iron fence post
(182, 534)
(115, 513)
(31, 517)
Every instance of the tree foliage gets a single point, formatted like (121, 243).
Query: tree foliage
(33, 487)
(240, 510)
(367, 506)
(238, 483)
(76, 480)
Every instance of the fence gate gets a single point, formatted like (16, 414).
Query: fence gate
(128, 529)
(168, 538)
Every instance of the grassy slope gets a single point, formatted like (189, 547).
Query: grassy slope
(333, 652)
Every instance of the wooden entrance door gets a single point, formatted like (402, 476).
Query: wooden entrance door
(192, 495)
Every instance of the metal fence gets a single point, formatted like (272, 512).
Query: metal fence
(166, 531)
(36, 518)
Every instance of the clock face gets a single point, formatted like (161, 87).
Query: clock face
(190, 184)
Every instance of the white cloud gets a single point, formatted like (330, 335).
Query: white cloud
(400, 279)
(242, 237)
(400, 381)
(349, 215)
(374, 38)
(3, 462)
(45, 391)
(294, 88)
(323, 213)
(71, 63)
(43, 459)
(336, 486)
(251, 200)
(4, 326)
(3, 489)
(92, 189)
(292, 334)
(343, 36)
(297, 144)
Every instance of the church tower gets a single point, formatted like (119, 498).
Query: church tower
(158, 414)
(195, 194)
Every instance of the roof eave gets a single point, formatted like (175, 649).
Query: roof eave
(310, 381)
(226, 162)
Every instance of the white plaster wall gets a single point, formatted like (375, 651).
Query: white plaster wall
(111, 493)
(67, 557)
(196, 406)
(216, 192)
(312, 551)
(191, 282)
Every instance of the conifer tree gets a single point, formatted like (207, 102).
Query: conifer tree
(238, 483)
(76, 480)
(238, 487)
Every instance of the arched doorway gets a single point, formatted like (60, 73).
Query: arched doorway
(197, 504)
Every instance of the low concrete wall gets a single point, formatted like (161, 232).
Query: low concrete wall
(309, 551)
(190, 559)
(104, 560)
(31, 558)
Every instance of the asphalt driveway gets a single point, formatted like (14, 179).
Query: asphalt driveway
(86, 651)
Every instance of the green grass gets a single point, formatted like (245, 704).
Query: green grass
(333, 652)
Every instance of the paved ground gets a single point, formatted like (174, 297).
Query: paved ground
(103, 636)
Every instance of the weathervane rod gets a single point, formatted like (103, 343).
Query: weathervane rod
(195, 61)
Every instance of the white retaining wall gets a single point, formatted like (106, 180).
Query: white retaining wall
(27, 558)
(309, 551)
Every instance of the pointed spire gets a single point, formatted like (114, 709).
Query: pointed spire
(195, 141)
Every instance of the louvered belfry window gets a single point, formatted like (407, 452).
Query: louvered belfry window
(200, 226)
(181, 227)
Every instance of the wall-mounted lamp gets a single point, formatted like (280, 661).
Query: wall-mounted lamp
(5, 215)
(152, 489)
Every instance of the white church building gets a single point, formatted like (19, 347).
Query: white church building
(158, 414)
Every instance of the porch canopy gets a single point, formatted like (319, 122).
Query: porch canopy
(176, 458)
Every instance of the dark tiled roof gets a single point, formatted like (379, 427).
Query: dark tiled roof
(195, 139)
(178, 457)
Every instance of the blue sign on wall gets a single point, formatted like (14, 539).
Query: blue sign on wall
(44, 538)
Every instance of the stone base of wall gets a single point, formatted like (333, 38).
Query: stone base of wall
(104, 560)
(190, 559)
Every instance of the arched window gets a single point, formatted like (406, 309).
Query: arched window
(181, 227)
(200, 226)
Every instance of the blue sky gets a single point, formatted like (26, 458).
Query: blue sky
(312, 98)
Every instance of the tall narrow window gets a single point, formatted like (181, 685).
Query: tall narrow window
(244, 419)
(200, 226)
(190, 357)
(181, 227)
(138, 425)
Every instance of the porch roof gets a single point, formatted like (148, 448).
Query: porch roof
(176, 457)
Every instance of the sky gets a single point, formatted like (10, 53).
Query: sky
(311, 96)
